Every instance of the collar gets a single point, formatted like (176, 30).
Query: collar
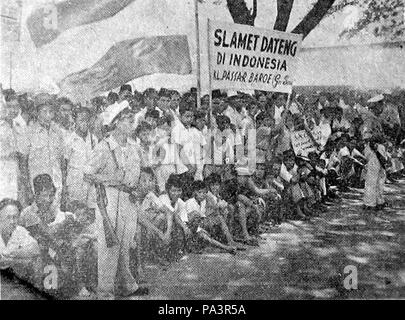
(39, 127)
(34, 208)
(112, 142)
(76, 136)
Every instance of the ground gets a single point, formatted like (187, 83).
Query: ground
(297, 260)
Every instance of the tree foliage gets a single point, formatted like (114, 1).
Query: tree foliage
(383, 18)
(243, 15)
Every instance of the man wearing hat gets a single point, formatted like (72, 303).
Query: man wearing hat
(115, 164)
(42, 148)
(125, 92)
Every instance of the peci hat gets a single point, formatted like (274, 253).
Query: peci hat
(126, 87)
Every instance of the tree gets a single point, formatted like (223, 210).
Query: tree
(240, 12)
(383, 18)
(242, 15)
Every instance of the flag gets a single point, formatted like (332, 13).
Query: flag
(46, 23)
(128, 60)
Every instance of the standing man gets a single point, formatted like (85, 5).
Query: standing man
(115, 167)
(65, 115)
(79, 145)
(42, 149)
(8, 149)
(278, 108)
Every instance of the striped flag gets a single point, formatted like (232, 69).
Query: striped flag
(128, 60)
(46, 23)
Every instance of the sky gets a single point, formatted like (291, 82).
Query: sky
(40, 69)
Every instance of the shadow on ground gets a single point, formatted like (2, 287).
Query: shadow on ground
(303, 260)
(297, 260)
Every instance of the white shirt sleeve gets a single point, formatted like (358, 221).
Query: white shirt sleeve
(284, 174)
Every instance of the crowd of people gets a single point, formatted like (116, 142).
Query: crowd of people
(98, 191)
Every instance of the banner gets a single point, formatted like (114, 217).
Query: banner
(302, 143)
(47, 22)
(10, 20)
(245, 57)
(126, 61)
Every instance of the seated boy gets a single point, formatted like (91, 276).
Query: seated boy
(291, 177)
(155, 219)
(277, 209)
(44, 220)
(217, 205)
(247, 195)
(18, 250)
(172, 200)
(204, 223)
(81, 235)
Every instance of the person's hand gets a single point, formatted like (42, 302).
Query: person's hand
(261, 202)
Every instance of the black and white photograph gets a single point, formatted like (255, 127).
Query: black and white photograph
(202, 150)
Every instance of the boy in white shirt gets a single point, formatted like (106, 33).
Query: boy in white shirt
(189, 142)
(181, 234)
(16, 244)
(202, 223)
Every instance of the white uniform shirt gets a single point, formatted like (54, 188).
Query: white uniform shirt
(178, 208)
(193, 206)
(20, 238)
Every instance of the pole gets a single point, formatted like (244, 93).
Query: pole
(210, 116)
(197, 31)
(209, 71)
(11, 68)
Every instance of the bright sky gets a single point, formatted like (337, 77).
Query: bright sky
(81, 47)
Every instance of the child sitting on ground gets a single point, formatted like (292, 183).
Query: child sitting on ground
(155, 220)
(249, 199)
(181, 234)
(291, 177)
(276, 209)
(81, 235)
(204, 223)
(217, 205)
(44, 220)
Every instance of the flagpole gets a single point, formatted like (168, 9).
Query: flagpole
(210, 116)
(11, 67)
(197, 31)
(209, 72)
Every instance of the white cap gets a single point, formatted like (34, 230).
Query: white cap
(377, 98)
(112, 111)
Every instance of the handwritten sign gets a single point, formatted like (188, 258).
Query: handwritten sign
(303, 144)
(245, 57)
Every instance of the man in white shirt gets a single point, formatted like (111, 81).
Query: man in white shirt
(79, 145)
(16, 244)
(189, 142)
(278, 108)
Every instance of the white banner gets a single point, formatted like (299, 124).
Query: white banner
(245, 57)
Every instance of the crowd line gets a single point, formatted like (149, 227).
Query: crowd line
(99, 190)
